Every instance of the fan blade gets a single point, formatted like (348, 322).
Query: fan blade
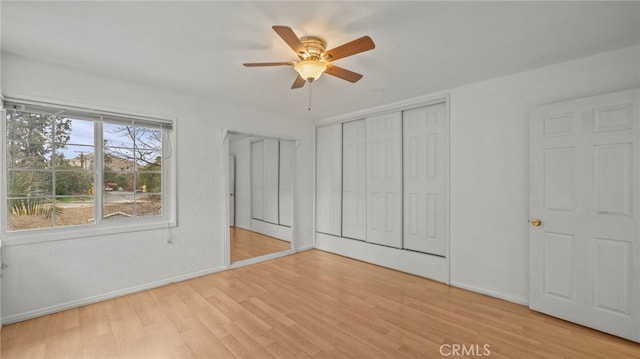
(299, 82)
(341, 73)
(350, 48)
(256, 64)
(291, 39)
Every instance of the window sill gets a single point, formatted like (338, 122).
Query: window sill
(57, 234)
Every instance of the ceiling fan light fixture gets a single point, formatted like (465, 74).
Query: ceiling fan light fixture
(310, 69)
(313, 58)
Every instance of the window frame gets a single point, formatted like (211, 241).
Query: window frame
(168, 218)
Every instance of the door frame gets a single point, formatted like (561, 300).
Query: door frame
(232, 191)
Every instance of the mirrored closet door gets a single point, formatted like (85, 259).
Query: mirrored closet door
(260, 195)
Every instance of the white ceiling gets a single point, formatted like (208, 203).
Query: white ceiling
(421, 47)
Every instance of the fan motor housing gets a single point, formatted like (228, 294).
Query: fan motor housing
(315, 46)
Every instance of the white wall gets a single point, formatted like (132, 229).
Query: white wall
(1, 181)
(241, 149)
(49, 276)
(489, 164)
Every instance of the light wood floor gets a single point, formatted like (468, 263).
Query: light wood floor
(311, 304)
(247, 244)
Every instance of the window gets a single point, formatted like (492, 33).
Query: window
(78, 168)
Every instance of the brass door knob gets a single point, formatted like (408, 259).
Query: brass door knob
(536, 222)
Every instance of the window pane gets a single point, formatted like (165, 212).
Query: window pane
(117, 135)
(62, 130)
(118, 210)
(148, 138)
(149, 160)
(149, 195)
(75, 210)
(80, 132)
(29, 183)
(118, 159)
(40, 217)
(29, 202)
(149, 182)
(28, 140)
(32, 138)
(75, 157)
(76, 183)
(23, 160)
(119, 194)
(148, 150)
(149, 205)
(120, 182)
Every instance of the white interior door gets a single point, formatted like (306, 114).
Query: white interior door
(384, 180)
(426, 177)
(232, 191)
(584, 207)
(329, 179)
(354, 155)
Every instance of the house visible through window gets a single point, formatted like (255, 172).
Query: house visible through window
(74, 168)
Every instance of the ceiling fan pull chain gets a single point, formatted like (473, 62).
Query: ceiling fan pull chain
(310, 84)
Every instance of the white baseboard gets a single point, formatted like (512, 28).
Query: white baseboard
(272, 230)
(102, 297)
(508, 298)
(420, 264)
(266, 257)
(305, 248)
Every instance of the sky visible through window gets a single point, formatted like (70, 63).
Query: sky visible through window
(80, 141)
(115, 136)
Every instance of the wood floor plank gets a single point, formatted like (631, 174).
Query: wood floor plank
(270, 312)
(308, 305)
(297, 342)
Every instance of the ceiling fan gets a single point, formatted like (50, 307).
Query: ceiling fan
(314, 60)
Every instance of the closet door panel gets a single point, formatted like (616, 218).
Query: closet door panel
(286, 183)
(271, 172)
(425, 179)
(329, 179)
(354, 179)
(257, 180)
(384, 180)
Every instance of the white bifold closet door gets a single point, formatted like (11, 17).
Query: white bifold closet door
(257, 180)
(425, 179)
(354, 179)
(286, 183)
(271, 175)
(384, 179)
(329, 179)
